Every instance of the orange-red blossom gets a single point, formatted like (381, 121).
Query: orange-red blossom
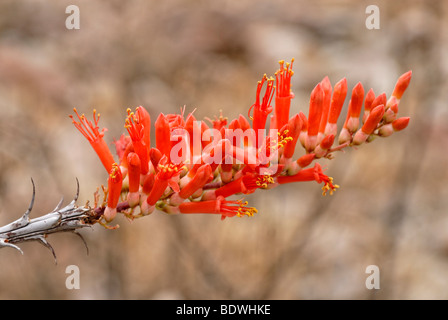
(194, 168)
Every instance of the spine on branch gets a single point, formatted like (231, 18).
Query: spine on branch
(62, 219)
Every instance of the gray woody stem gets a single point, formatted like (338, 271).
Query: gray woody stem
(69, 218)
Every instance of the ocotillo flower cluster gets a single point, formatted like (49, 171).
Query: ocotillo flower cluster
(198, 166)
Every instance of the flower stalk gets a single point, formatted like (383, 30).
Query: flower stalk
(195, 168)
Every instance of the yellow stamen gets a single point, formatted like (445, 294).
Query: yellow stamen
(264, 180)
(114, 171)
(282, 140)
(245, 211)
(329, 186)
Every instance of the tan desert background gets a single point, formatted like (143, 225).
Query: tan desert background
(391, 209)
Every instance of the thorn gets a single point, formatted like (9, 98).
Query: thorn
(3, 243)
(77, 193)
(42, 240)
(27, 213)
(59, 206)
(77, 190)
(83, 240)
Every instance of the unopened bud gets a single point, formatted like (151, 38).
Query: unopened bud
(133, 199)
(400, 123)
(352, 124)
(310, 142)
(389, 116)
(360, 137)
(370, 97)
(402, 84)
(209, 195)
(305, 161)
(109, 214)
(331, 128)
(386, 130)
(392, 103)
(322, 148)
(226, 176)
(146, 209)
(344, 136)
(373, 119)
(176, 199)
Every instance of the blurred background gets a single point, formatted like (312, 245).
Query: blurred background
(390, 210)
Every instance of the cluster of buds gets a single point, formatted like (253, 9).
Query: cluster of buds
(197, 166)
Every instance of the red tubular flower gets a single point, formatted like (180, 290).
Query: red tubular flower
(204, 128)
(155, 155)
(322, 149)
(226, 208)
(147, 186)
(252, 182)
(219, 122)
(133, 171)
(137, 132)
(228, 133)
(248, 183)
(176, 120)
(233, 135)
(165, 177)
(227, 190)
(114, 190)
(311, 174)
(163, 135)
(212, 155)
(283, 94)
(304, 132)
(248, 140)
(370, 97)
(178, 138)
(337, 101)
(379, 100)
(401, 85)
(372, 121)
(244, 123)
(354, 110)
(145, 119)
(370, 125)
(191, 126)
(263, 108)
(273, 122)
(294, 129)
(327, 142)
(134, 165)
(95, 137)
(148, 183)
(180, 146)
(269, 150)
(326, 86)
(244, 156)
(314, 117)
(157, 190)
(201, 177)
(123, 146)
